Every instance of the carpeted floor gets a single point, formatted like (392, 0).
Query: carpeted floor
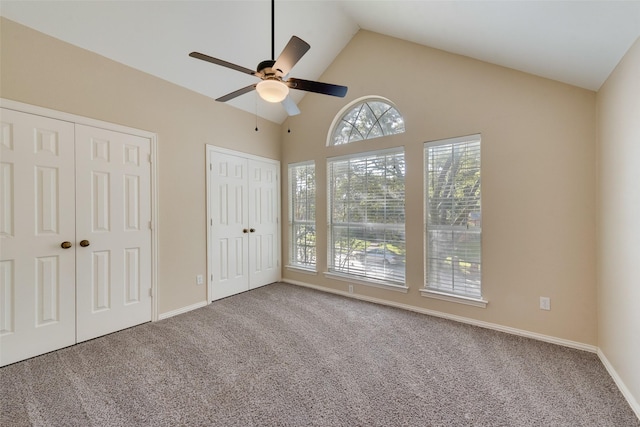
(283, 355)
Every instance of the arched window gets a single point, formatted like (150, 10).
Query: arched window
(366, 118)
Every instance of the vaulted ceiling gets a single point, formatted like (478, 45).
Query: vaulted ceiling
(576, 42)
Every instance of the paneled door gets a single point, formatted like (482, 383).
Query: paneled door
(229, 224)
(75, 236)
(263, 219)
(243, 205)
(37, 236)
(113, 229)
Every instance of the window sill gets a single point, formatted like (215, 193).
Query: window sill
(300, 269)
(476, 302)
(366, 282)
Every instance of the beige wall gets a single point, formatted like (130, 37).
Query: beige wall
(538, 182)
(618, 151)
(538, 163)
(40, 70)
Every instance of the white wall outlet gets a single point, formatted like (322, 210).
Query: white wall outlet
(350, 289)
(199, 279)
(545, 303)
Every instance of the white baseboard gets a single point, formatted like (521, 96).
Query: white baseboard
(635, 405)
(480, 323)
(182, 310)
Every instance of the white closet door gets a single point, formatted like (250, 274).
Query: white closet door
(263, 222)
(37, 277)
(113, 219)
(229, 225)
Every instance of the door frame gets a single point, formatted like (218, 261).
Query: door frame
(153, 138)
(210, 151)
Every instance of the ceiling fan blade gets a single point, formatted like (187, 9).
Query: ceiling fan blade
(317, 87)
(217, 61)
(290, 106)
(291, 54)
(236, 93)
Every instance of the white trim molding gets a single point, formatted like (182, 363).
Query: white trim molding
(429, 293)
(302, 270)
(635, 405)
(366, 282)
(183, 310)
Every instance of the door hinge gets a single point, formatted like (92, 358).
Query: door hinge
(150, 225)
(210, 166)
(150, 292)
(149, 158)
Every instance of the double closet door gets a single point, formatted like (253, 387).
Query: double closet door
(75, 256)
(243, 209)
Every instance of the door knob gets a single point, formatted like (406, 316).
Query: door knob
(84, 243)
(65, 245)
(252, 230)
(244, 230)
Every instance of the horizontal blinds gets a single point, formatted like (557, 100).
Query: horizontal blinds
(366, 215)
(302, 215)
(453, 216)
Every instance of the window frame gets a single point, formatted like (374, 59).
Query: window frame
(350, 106)
(294, 263)
(434, 291)
(332, 272)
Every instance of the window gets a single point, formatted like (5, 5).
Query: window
(366, 216)
(453, 216)
(302, 215)
(366, 119)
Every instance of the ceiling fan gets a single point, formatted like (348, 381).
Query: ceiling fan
(274, 85)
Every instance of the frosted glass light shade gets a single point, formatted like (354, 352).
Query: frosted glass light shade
(272, 90)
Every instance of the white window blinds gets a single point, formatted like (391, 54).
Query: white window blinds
(366, 215)
(453, 216)
(302, 215)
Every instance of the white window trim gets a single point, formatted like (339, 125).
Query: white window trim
(443, 296)
(308, 269)
(476, 137)
(366, 281)
(301, 269)
(392, 150)
(349, 106)
(355, 278)
(437, 293)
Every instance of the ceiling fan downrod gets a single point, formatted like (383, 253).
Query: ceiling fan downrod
(273, 31)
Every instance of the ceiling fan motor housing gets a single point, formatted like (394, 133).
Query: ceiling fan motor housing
(266, 70)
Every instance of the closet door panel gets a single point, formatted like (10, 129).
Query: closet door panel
(263, 220)
(229, 231)
(37, 275)
(113, 214)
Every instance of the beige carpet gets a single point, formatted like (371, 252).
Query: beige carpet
(287, 356)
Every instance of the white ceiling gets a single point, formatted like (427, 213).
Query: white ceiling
(576, 42)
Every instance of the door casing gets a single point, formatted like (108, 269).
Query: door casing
(212, 151)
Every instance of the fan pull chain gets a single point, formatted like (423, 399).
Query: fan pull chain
(256, 113)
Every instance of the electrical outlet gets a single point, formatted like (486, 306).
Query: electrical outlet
(545, 303)
(199, 279)
(350, 289)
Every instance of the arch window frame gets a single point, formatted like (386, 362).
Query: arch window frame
(362, 102)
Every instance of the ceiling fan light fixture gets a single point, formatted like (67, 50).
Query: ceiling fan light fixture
(272, 90)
